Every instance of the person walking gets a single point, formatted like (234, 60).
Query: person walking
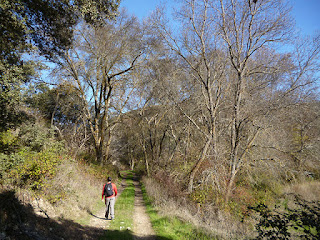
(109, 192)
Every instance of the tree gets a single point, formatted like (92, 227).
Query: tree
(247, 27)
(48, 25)
(59, 107)
(237, 78)
(98, 68)
(45, 26)
(204, 65)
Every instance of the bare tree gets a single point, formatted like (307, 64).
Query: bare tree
(248, 30)
(236, 78)
(98, 68)
(204, 65)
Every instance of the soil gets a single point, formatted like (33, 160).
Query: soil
(98, 220)
(22, 222)
(142, 225)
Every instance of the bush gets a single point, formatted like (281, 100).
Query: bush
(37, 138)
(8, 141)
(34, 167)
(29, 155)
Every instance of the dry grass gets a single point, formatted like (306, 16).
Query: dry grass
(207, 217)
(60, 210)
(72, 194)
(82, 190)
(309, 191)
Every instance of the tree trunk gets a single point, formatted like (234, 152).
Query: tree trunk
(237, 164)
(229, 186)
(99, 155)
(108, 148)
(147, 166)
(198, 164)
(146, 158)
(132, 162)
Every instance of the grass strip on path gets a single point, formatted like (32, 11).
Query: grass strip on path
(171, 227)
(98, 204)
(120, 228)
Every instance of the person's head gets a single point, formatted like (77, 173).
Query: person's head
(109, 179)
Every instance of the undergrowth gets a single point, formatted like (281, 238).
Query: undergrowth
(300, 220)
(169, 227)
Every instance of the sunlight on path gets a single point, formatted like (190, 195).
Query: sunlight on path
(142, 225)
(142, 228)
(98, 220)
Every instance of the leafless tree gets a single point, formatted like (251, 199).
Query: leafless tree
(98, 68)
(203, 65)
(238, 78)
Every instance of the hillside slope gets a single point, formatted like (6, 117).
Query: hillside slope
(57, 211)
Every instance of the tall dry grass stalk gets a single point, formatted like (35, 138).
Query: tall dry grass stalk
(82, 190)
(309, 191)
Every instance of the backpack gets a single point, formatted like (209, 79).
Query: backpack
(108, 190)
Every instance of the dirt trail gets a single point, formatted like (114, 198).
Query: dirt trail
(98, 220)
(142, 228)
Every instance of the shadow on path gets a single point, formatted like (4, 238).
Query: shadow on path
(18, 221)
(91, 214)
(128, 235)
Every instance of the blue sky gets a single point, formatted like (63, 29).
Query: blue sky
(305, 12)
(307, 15)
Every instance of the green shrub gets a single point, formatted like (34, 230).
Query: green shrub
(8, 141)
(37, 137)
(34, 167)
(29, 155)
(7, 164)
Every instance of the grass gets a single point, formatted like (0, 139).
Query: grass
(172, 227)
(165, 227)
(120, 228)
(82, 191)
(96, 206)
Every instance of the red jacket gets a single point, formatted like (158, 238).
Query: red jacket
(114, 188)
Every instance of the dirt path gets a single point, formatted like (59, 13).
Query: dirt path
(98, 220)
(142, 228)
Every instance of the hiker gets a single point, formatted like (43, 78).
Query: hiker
(110, 192)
